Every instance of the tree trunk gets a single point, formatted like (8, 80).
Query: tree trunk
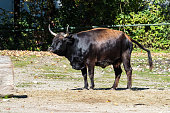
(17, 32)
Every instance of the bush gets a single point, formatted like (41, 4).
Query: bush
(30, 30)
(150, 36)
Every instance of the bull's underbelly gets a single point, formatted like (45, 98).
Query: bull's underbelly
(105, 63)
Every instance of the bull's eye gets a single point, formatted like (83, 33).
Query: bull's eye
(78, 59)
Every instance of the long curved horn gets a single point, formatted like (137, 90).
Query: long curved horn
(51, 31)
(67, 32)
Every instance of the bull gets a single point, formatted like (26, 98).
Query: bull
(97, 47)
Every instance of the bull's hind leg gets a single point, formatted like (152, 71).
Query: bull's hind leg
(84, 73)
(127, 66)
(118, 72)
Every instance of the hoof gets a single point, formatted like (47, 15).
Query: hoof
(113, 88)
(85, 89)
(129, 89)
(91, 88)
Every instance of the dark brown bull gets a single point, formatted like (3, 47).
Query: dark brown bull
(97, 47)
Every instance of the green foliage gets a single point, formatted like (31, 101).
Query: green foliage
(32, 32)
(150, 36)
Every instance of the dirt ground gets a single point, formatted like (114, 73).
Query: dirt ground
(97, 101)
(42, 95)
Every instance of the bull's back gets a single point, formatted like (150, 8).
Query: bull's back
(100, 34)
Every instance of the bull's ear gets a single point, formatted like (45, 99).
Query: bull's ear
(69, 39)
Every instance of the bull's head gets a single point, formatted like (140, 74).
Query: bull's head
(60, 42)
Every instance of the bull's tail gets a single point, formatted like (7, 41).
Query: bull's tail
(142, 47)
(149, 53)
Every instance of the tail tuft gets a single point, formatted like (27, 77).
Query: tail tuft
(149, 54)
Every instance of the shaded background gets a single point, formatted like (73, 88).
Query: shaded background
(24, 23)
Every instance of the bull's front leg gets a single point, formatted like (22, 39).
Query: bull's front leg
(84, 73)
(91, 75)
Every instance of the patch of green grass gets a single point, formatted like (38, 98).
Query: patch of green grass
(146, 74)
(161, 78)
(155, 50)
(25, 84)
(55, 76)
(47, 68)
(62, 70)
(28, 84)
(62, 76)
(23, 61)
(6, 97)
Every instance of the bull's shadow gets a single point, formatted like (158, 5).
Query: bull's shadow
(118, 89)
(14, 96)
(19, 96)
